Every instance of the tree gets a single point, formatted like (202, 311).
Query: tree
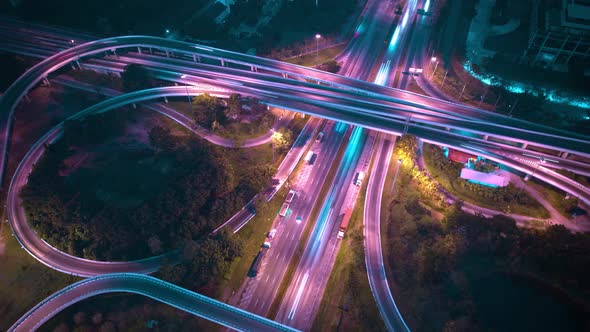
(282, 138)
(234, 105)
(162, 139)
(136, 77)
(206, 109)
(331, 66)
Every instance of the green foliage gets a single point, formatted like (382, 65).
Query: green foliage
(234, 106)
(434, 262)
(201, 190)
(331, 66)
(208, 111)
(136, 77)
(162, 139)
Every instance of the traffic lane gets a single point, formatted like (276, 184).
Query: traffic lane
(288, 237)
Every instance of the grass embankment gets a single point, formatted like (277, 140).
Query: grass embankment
(252, 236)
(310, 59)
(348, 304)
(555, 197)
(508, 199)
(24, 282)
(288, 277)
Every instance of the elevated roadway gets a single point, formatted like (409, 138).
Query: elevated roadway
(159, 290)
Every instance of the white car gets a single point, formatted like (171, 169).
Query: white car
(272, 233)
(290, 196)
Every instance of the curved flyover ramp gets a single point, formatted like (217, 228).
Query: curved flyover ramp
(159, 290)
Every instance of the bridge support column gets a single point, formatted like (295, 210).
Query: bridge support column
(46, 81)
(524, 145)
(564, 154)
(114, 52)
(194, 58)
(166, 100)
(485, 137)
(167, 54)
(73, 66)
(138, 49)
(222, 63)
(151, 51)
(134, 105)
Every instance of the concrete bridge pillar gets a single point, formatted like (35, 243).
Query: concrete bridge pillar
(564, 154)
(167, 54)
(138, 49)
(524, 145)
(485, 137)
(194, 57)
(134, 106)
(46, 81)
(222, 63)
(166, 100)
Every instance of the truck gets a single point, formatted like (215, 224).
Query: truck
(308, 157)
(359, 178)
(344, 223)
(284, 210)
(258, 260)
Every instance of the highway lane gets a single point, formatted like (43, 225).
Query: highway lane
(259, 292)
(159, 290)
(372, 232)
(303, 296)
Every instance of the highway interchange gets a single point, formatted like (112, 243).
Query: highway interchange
(336, 98)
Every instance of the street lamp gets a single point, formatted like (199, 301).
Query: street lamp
(399, 163)
(317, 45)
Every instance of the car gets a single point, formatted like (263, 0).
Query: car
(272, 233)
(298, 220)
(290, 196)
(320, 137)
(266, 245)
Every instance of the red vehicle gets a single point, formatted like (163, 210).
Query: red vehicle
(344, 223)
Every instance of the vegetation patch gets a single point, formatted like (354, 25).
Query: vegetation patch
(509, 199)
(100, 194)
(471, 273)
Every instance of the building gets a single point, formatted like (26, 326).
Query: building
(486, 179)
(560, 35)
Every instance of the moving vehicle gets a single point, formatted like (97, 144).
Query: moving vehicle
(272, 233)
(284, 210)
(344, 223)
(290, 196)
(359, 178)
(308, 157)
(320, 137)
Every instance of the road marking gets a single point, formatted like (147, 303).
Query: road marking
(298, 297)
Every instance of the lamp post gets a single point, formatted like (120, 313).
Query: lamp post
(399, 164)
(317, 45)
(433, 59)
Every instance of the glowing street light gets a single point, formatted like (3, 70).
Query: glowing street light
(317, 45)
(433, 59)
